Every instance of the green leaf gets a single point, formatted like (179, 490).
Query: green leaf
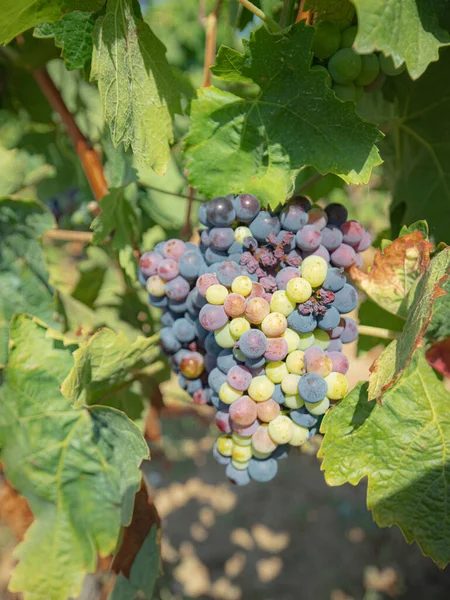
(439, 327)
(402, 447)
(120, 214)
(21, 169)
(421, 226)
(341, 12)
(417, 149)
(388, 367)
(106, 365)
(396, 268)
(136, 84)
(77, 467)
(73, 34)
(24, 285)
(407, 30)
(20, 15)
(143, 573)
(295, 120)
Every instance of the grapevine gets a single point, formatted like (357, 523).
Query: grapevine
(223, 258)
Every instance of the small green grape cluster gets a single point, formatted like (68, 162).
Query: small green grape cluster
(349, 74)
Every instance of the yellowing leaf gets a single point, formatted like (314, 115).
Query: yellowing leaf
(137, 88)
(402, 447)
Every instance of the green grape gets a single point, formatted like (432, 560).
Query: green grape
(300, 435)
(227, 394)
(359, 91)
(276, 371)
(295, 362)
(241, 454)
(348, 37)
(238, 327)
(241, 466)
(241, 440)
(281, 429)
(216, 294)
(280, 302)
(274, 325)
(289, 384)
(388, 67)
(293, 401)
(345, 65)
(337, 386)
(318, 408)
(241, 233)
(323, 70)
(261, 388)
(298, 289)
(321, 339)
(292, 339)
(156, 286)
(242, 285)
(345, 91)
(314, 270)
(225, 445)
(327, 38)
(224, 337)
(370, 67)
(306, 340)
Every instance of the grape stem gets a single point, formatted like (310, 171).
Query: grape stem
(156, 189)
(271, 24)
(210, 25)
(303, 15)
(89, 158)
(379, 332)
(65, 235)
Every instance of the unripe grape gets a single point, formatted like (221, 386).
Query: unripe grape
(268, 410)
(345, 91)
(388, 67)
(314, 270)
(293, 401)
(242, 285)
(261, 388)
(240, 466)
(299, 289)
(281, 303)
(241, 453)
(225, 445)
(243, 412)
(192, 365)
(344, 65)
(276, 371)
(156, 286)
(216, 294)
(261, 440)
(227, 394)
(256, 310)
(241, 233)
(238, 327)
(292, 338)
(289, 384)
(318, 408)
(327, 38)
(306, 340)
(337, 385)
(299, 436)
(295, 362)
(274, 325)
(234, 305)
(348, 36)
(281, 429)
(224, 337)
(241, 440)
(370, 68)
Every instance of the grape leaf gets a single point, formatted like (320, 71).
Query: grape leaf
(439, 327)
(24, 285)
(417, 149)
(77, 467)
(407, 30)
(119, 213)
(339, 11)
(388, 367)
(402, 448)
(394, 272)
(21, 169)
(294, 120)
(139, 115)
(20, 15)
(107, 365)
(73, 34)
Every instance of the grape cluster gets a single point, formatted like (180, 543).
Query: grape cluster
(348, 73)
(253, 321)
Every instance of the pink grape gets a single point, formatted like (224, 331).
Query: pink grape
(234, 305)
(223, 421)
(257, 291)
(344, 256)
(239, 378)
(350, 332)
(277, 349)
(149, 263)
(168, 269)
(178, 288)
(332, 237)
(268, 410)
(245, 431)
(262, 442)
(285, 275)
(174, 249)
(308, 238)
(316, 361)
(364, 243)
(243, 412)
(213, 317)
(320, 251)
(337, 331)
(352, 232)
(204, 282)
(256, 310)
(339, 360)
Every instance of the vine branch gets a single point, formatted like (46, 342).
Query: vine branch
(89, 158)
(260, 14)
(66, 235)
(379, 332)
(303, 15)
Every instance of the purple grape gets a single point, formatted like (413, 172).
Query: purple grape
(245, 431)
(337, 214)
(189, 264)
(243, 412)
(278, 395)
(301, 201)
(281, 452)
(334, 345)
(329, 320)
(283, 277)
(149, 263)
(178, 288)
(236, 476)
(253, 343)
(302, 417)
(204, 238)
(317, 217)
(277, 349)
(344, 256)
(183, 330)
(158, 301)
(262, 471)
(352, 232)
(331, 237)
(340, 361)
(308, 238)
(168, 269)
(213, 317)
(218, 404)
(202, 216)
(215, 379)
(211, 346)
(302, 323)
(255, 363)
(350, 332)
(220, 212)
(226, 360)
(312, 387)
(169, 341)
(159, 248)
(221, 238)
(167, 319)
(220, 458)
(223, 421)
(227, 271)
(174, 249)
(239, 378)
(364, 243)
(293, 218)
(335, 280)
(346, 299)
(214, 256)
(247, 207)
(204, 282)
(210, 362)
(263, 225)
(177, 306)
(320, 251)
(337, 331)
